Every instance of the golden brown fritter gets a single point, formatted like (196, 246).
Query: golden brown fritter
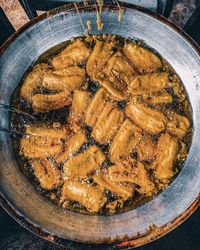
(115, 76)
(96, 106)
(101, 53)
(75, 53)
(161, 98)
(145, 84)
(71, 146)
(46, 102)
(80, 166)
(42, 142)
(33, 81)
(30, 150)
(105, 183)
(126, 139)
(150, 120)
(67, 79)
(166, 153)
(119, 67)
(90, 197)
(133, 172)
(107, 123)
(177, 125)
(48, 175)
(47, 132)
(80, 102)
(146, 149)
(143, 59)
(116, 89)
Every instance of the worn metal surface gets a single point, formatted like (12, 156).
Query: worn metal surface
(51, 222)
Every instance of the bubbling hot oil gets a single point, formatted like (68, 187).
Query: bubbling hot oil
(18, 122)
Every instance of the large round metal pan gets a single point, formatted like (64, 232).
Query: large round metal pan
(146, 222)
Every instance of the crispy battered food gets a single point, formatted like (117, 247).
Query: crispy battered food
(120, 68)
(80, 166)
(33, 81)
(126, 139)
(133, 172)
(80, 102)
(31, 150)
(105, 183)
(143, 59)
(48, 175)
(42, 142)
(67, 79)
(113, 86)
(162, 98)
(107, 123)
(166, 153)
(96, 106)
(71, 146)
(76, 53)
(90, 197)
(146, 118)
(115, 76)
(120, 124)
(44, 102)
(177, 125)
(153, 82)
(46, 132)
(101, 53)
(146, 149)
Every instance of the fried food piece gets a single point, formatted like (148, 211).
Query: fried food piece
(119, 67)
(72, 145)
(115, 76)
(142, 59)
(126, 139)
(146, 149)
(113, 86)
(54, 133)
(101, 53)
(162, 98)
(68, 79)
(90, 197)
(177, 125)
(105, 183)
(80, 102)
(76, 53)
(33, 81)
(44, 141)
(96, 106)
(45, 102)
(107, 124)
(166, 153)
(80, 166)
(30, 150)
(47, 174)
(145, 84)
(146, 118)
(132, 172)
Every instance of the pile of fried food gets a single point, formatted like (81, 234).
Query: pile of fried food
(143, 136)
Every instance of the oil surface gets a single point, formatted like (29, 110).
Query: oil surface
(19, 123)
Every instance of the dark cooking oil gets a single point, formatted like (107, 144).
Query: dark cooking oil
(19, 123)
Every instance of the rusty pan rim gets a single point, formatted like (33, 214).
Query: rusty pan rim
(153, 233)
